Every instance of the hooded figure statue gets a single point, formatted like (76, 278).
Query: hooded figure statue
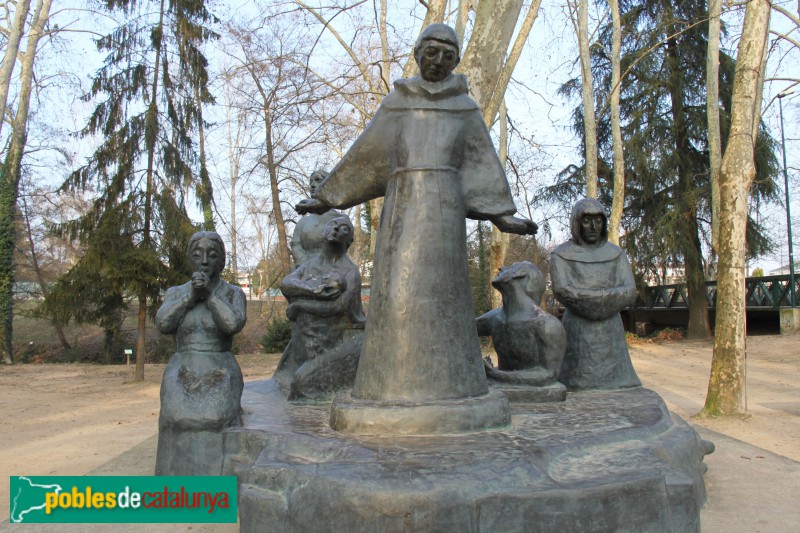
(592, 278)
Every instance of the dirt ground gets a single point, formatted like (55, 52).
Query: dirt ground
(70, 419)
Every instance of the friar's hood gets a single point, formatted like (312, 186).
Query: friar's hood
(577, 249)
(452, 93)
(587, 206)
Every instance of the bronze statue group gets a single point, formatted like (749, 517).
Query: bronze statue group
(428, 152)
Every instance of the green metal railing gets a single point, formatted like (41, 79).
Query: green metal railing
(765, 292)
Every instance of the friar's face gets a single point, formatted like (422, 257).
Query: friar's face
(436, 60)
(206, 256)
(592, 227)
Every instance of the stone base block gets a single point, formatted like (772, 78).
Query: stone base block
(189, 452)
(790, 320)
(369, 417)
(556, 392)
(602, 461)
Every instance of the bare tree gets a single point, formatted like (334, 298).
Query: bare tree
(712, 104)
(579, 13)
(790, 37)
(15, 33)
(10, 177)
(726, 384)
(618, 201)
(272, 59)
(38, 270)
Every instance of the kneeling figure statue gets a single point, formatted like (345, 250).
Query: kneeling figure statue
(592, 278)
(528, 340)
(324, 295)
(201, 389)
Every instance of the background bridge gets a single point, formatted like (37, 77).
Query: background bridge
(668, 305)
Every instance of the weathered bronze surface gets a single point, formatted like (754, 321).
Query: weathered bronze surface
(307, 239)
(593, 280)
(529, 341)
(428, 152)
(324, 295)
(202, 384)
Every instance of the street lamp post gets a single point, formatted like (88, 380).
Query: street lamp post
(788, 208)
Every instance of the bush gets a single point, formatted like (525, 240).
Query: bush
(279, 332)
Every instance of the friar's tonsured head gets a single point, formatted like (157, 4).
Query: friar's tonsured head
(437, 52)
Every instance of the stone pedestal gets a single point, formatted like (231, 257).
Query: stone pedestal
(602, 461)
(790, 320)
(200, 394)
(555, 392)
(369, 417)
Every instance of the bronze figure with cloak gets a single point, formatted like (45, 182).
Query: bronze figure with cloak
(428, 152)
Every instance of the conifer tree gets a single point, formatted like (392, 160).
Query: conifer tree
(665, 136)
(151, 88)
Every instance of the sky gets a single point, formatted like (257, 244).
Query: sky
(548, 61)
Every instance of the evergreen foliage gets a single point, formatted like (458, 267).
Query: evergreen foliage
(150, 90)
(664, 129)
(279, 333)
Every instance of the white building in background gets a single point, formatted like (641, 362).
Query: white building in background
(785, 270)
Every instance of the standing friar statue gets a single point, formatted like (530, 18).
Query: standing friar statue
(428, 152)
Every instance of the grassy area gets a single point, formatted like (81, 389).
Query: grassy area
(35, 340)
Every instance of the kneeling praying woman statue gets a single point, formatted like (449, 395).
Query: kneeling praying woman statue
(202, 386)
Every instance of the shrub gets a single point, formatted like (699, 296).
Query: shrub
(279, 332)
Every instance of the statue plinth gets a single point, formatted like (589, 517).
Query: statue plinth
(602, 461)
(371, 417)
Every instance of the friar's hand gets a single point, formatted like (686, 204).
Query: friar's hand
(512, 224)
(311, 205)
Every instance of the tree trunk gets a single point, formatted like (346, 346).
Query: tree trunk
(385, 60)
(589, 124)
(504, 77)
(698, 327)
(234, 161)
(726, 385)
(375, 208)
(151, 127)
(618, 202)
(234, 236)
(500, 240)
(462, 17)
(712, 105)
(485, 54)
(206, 190)
(9, 183)
(141, 335)
(39, 276)
(280, 224)
(688, 239)
(10, 55)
